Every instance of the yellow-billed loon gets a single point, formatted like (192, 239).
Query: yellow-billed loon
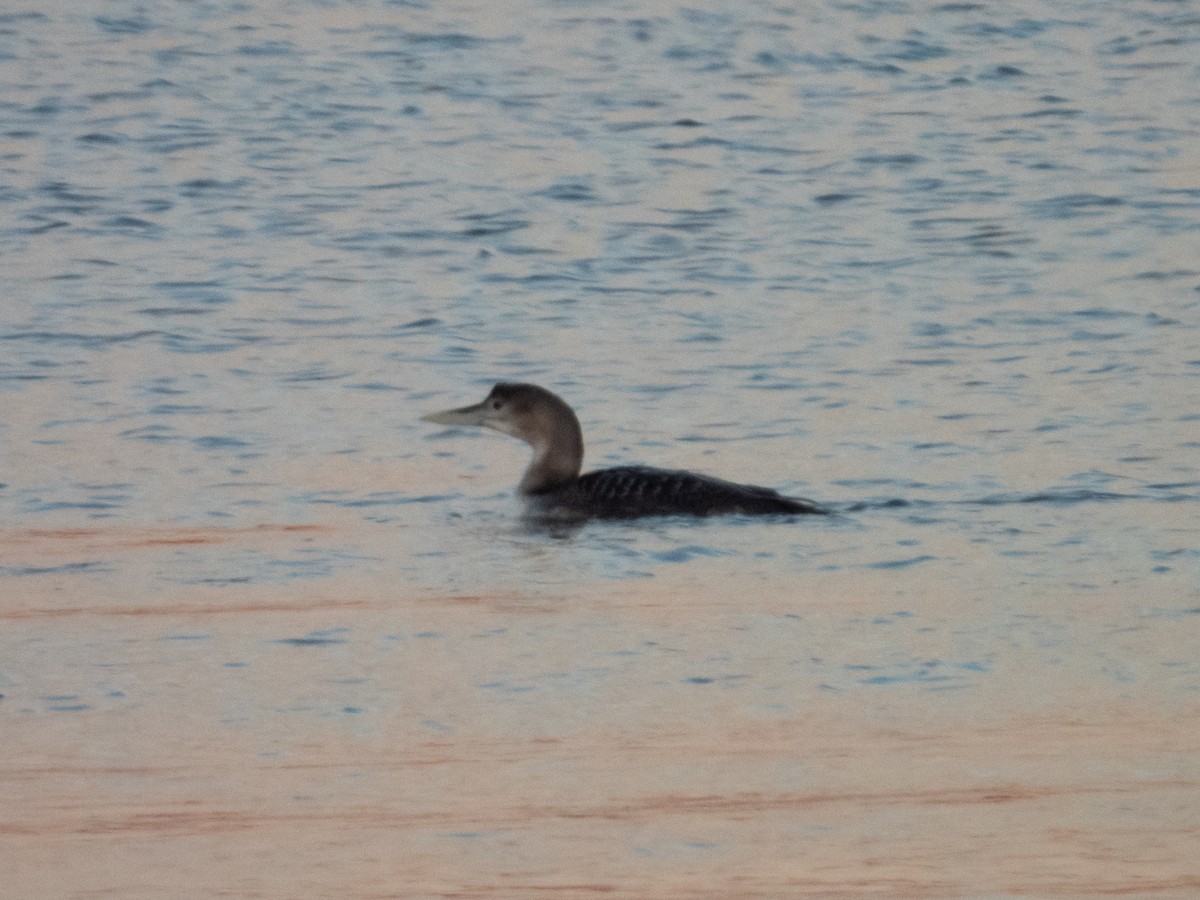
(552, 485)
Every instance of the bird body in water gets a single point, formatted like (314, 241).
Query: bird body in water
(553, 487)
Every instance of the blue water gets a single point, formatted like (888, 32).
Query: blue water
(937, 265)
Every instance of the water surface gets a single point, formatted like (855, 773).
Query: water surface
(267, 633)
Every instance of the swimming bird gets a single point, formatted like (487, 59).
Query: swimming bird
(553, 487)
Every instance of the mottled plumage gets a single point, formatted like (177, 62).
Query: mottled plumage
(553, 487)
(627, 492)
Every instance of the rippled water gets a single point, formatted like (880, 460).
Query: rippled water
(935, 264)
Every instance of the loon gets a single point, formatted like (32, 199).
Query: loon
(553, 487)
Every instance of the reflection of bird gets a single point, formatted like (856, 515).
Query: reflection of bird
(552, 485)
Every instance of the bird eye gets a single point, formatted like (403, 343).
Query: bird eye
(496, 404)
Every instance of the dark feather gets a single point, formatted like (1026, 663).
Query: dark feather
(628, 492)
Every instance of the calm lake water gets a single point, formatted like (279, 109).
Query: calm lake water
(266, 634)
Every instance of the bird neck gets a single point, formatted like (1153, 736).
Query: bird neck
(557, 457)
